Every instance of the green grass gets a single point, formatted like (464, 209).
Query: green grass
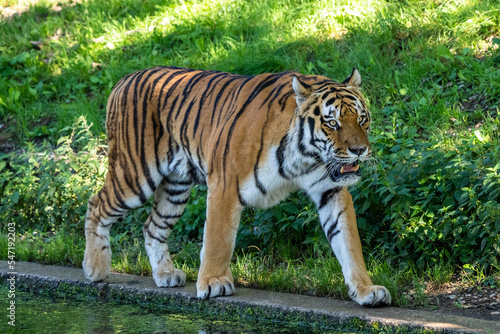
(57, 249)
(433, 56)
(310, 275)
(427, 206)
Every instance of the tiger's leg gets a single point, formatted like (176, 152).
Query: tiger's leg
(223, 218)
(338, 219)
(102, 212)
(169, 202)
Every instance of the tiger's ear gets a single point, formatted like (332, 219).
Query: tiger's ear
(301, 89)
(354, 79)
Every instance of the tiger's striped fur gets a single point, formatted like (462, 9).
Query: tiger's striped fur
(252, 140)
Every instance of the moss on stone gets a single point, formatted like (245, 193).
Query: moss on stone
(182, 303)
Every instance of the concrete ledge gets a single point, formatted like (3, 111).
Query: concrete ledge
(313, 311)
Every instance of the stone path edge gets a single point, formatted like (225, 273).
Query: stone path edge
(257, 304)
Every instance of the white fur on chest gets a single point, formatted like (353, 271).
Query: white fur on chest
(276, 188)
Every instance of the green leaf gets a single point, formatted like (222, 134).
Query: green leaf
(366, 205)
(278, 213)
(479, 136)
(14, 93)
(60, 140)
(51, 192)
(483, 243)
(15, 197)
(75, 166)
(297, 224)
(395, 148)
(405, 191)
(323, 65)
(361, 223)
(448, 202)
(461, 76)
(289, 208)
(388, 198)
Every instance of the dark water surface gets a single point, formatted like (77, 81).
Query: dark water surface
(41, 314)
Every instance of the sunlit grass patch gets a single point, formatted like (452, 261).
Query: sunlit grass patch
(84, 48)
(428, 201)
(48, 248)
(131, 258)
(319, 276)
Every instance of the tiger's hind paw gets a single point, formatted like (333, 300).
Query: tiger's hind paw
(170, 278)
(221, 286)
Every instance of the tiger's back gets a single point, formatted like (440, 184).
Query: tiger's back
(192, 122)
(251, 139)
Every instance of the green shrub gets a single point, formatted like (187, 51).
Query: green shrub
(431, 202)
(45, 188)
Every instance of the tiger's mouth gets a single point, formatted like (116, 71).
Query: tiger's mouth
(350, 168)
(346, 172)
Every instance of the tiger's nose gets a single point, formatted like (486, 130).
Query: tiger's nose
(357, 150)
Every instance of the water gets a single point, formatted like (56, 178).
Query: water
(41, 314)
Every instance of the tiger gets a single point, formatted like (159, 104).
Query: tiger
(252, 140)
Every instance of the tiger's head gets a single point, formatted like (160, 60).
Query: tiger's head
(335, 121)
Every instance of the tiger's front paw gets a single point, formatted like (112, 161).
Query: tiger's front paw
(170, 278)
(372, 296)
(97, 264)
(214, 287)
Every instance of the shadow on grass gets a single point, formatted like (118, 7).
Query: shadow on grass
(234, 37)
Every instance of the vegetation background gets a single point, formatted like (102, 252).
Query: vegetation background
(428, 206)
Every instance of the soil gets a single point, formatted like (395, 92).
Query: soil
(465, 299)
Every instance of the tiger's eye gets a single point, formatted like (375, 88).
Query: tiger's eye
(332, 124)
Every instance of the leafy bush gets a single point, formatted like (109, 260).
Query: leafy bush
(45, 189)
(433, 203)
